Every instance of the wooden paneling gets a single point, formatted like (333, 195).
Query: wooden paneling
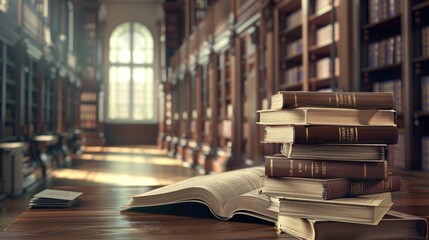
(131, 134)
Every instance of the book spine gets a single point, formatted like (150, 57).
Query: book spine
(340, 189)
(285, 167)
(358, 100)
(345, 134)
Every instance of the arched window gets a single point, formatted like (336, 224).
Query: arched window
(131, 75)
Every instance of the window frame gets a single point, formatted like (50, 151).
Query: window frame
(132, 65)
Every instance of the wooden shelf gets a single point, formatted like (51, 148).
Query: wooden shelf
(321, 19)
(295, 31)
(392, 22)
(317, 83)
(421, 6)
(421, 59)
(11, 64)
(294, 58)
(420, 114)
(321, 51)
(11, 82)
(10, 101)
(289, 6)
(387, 67)
(290, 86)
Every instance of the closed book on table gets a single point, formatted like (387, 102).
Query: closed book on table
(316, 134)
(394, 225)
(327, 188)
(367, 209)
(281, 166)
(345, 152)
(358, 100)
(328, 116)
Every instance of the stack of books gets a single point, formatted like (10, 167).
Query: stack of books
(52, 198)
(332, 164)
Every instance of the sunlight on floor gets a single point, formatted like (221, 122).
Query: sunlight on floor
(132, 159)
(145, 150)
(112, 178)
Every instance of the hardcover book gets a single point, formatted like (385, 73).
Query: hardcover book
(281, 166)
(328, 116)
(331, 134)
(358, 100)
(345, 152)
(394, 225)
(226, 194)
(328, 188)
(367, 209)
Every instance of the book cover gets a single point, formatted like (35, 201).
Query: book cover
(328, 188)
(328, 116)
(359, 100)
(394, 225)
(366, 209)
(281, 166)
(331, 134)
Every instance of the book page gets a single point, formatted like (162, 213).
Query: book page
(214, 190)
(224, 185)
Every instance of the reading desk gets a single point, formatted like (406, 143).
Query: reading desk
(98, 216)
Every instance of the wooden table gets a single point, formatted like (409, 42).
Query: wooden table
(98, 217)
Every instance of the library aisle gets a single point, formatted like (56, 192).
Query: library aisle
(114, 166)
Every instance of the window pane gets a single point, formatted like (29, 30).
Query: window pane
(142, 44)
(120, 44)
(119, 92)
(138, 104)
(143, 95)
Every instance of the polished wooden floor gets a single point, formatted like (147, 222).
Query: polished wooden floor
(110, 166)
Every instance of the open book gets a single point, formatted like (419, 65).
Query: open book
(226, 194)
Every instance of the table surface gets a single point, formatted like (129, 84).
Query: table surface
(98, 216)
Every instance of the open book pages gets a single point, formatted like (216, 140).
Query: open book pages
(394, 225)
(226, 194)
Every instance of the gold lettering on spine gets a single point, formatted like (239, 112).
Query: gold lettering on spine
(345, 100)
(356, 188)
(324, 169)
(271, 166)
(291, 173)
(306, 134)
(356, 135)
(364, 170)
(337, 100)
(339, 134)
(347, 134)
(312, 169)
(354, 100)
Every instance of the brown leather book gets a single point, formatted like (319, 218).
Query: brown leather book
(328, 188)
(331, 134)
(280, 166)
(359, 100)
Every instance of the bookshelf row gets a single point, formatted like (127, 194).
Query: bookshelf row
(236, 63)
(40, 86)
(31, 108)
